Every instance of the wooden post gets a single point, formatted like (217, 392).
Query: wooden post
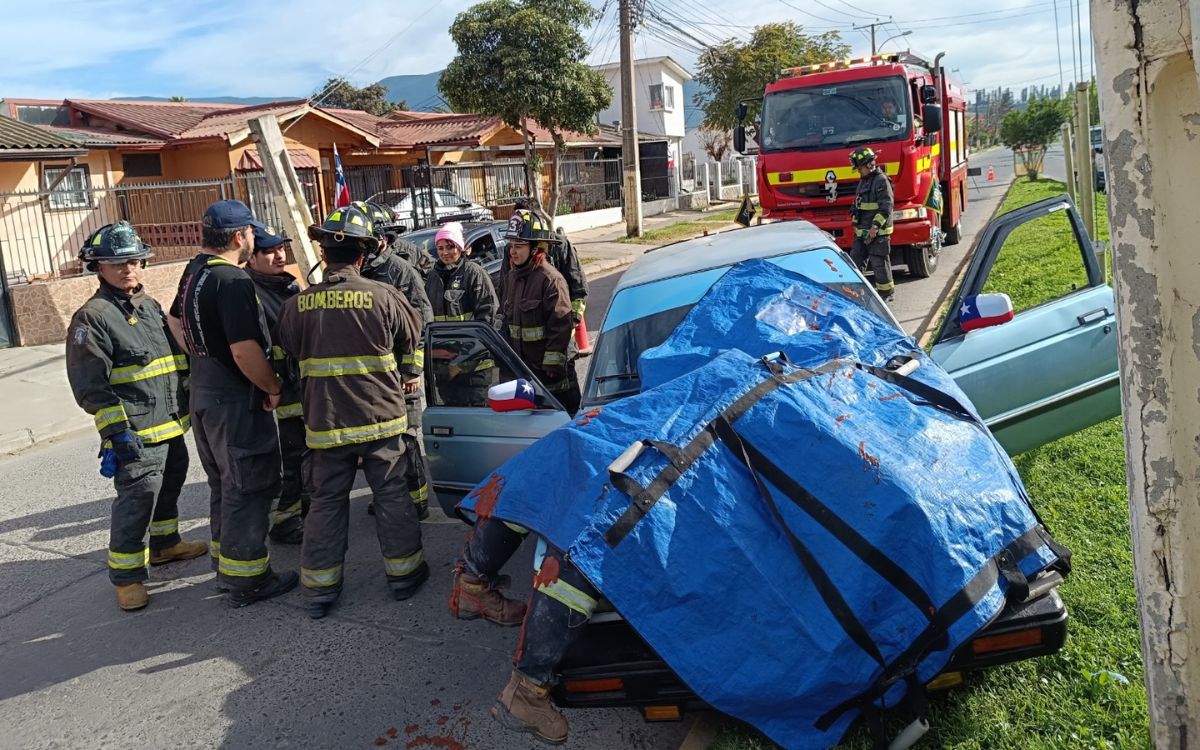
(1083, 159)
(287, 193)
(1069, 157)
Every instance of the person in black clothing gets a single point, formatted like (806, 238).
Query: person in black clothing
(217, 317)
(267, 269)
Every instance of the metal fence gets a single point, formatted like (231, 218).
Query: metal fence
(588, 184)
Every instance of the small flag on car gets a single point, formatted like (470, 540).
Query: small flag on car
(984, 310)
(514, 395)
(745, 212)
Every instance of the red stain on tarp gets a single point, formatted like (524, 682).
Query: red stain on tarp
(830, 263)
(588, 417)
(817, 302)
(547, 574)
(485, 497)
(852, 292)
(869, 462)
(889, 398)
(843, 418)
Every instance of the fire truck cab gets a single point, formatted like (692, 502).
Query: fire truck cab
(900, 105)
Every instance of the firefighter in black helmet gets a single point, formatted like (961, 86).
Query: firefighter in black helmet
(126, 370)
(871, 215)
(353, 340)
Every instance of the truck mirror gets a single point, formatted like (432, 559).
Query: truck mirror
(928, 94)
(933, 118)
(739, 139)
(740, 112)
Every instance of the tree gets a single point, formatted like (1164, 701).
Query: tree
(735, 70)
(178, 99)
(1029, 132)
(716, 143)
(523, 60)
(338, 93)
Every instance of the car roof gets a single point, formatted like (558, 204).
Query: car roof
(724, 249)
(469, 227)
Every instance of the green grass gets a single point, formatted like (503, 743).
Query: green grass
(683, 229)
(1067, 700)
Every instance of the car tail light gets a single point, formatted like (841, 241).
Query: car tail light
(606, 685)
(1020, 639)
(662, 713)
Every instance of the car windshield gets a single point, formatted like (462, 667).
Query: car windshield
(836, 115)
(642, 317)
(424, 240)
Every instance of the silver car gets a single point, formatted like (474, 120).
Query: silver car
(446, 206)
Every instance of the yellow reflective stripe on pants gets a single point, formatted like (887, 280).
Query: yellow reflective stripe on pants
(110, 415)
(453, 318)
(554, 359)
(214, 549)
(578, 306)
(485, 364)
(243, 568)
(279, 516)
(416, 359)
(160, 366)
(166, 430)
(322, 578)
(403, 566)
(348, 435)
(420, 494)
(128, 560)
(164, 528)
(568, 595)
(288, 411)
(886, 286)
(324, 367)
(518, 529)
(532, 333)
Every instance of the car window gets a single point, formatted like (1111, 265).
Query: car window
(1040, 261)
(461, 368)
(450, 200)
(424, 240)
(483, 248)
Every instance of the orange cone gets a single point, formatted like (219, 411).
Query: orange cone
(991, 173)
(581, 338)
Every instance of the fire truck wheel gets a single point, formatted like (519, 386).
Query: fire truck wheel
(922, 260)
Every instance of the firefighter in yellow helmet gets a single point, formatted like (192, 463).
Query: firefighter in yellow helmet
(872, 218)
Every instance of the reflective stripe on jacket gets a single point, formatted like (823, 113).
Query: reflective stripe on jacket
(873, 205)
(536, 315)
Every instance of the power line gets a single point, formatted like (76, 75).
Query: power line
(836, 23)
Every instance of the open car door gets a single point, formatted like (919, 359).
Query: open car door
(464, 439)
(1049, 367)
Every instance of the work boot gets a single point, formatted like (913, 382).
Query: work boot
(178, 551)
(406, 588)
(290, 531)
(276, 584)
(318, 608)
(472, 598)
(524, 706)
(132, 596)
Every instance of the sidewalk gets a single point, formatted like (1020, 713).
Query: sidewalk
(600, 252)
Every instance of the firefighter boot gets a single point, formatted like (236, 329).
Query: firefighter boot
(472, 598)
(178, 551)
(524, 706)
(132, 596)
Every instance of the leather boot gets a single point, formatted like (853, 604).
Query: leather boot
(132, 596)
(178, 551)
(524, 706)
(472, 598)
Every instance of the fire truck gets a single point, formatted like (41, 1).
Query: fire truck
(899, 104)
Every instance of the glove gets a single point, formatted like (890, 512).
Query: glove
(127, 446)
(108, 463)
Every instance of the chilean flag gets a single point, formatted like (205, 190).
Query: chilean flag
(514, 395)
(341, 191)
(984, 311)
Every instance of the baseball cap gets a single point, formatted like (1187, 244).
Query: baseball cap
(230, 215)
(265, 237)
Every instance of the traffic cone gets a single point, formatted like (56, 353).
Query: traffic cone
(581, 338)
(991, 173)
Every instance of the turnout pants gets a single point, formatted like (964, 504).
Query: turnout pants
(561, 603)
(239, 448)
(566, 390)
(878, 254)
(417, 476)
(293, 495)
(147, 496)
(323, 551)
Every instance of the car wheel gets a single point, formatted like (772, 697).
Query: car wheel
(923, 260)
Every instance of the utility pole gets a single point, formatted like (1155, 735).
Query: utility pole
(287, 193)
(1083, 158)
(1151, 80)
(872, 26)
(631, 166)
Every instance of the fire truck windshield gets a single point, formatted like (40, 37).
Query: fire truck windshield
(836, 115)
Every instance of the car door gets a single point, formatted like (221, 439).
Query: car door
(464, 439)
(1052, 369)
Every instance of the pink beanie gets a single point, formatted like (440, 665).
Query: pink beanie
(451, 230)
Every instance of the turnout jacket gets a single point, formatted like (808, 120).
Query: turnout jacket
(350, 336)
(273, 291)
(873, 204)
(125, 368)
(565, 260)
(416, 257)
(391, 269)
(536, 315)
(463, 291)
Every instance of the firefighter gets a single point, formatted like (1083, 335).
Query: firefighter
(871, 215)
(127, 372)
(561, 255)
(218, 316)
(460, 290)
(536, 310)
(275, 285)
(384, 264)
(352, 337)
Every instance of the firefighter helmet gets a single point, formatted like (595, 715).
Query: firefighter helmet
(526, 226)
(347, 225)
(863, 156)
(381, 216)
(113, 243)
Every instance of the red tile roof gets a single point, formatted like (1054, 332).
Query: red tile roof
(358, 118)
(104, 137)
(165, 119)
(467, 130)
(235, 120)
(301, 159)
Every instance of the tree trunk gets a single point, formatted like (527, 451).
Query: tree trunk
(532, 179)
(559, 145)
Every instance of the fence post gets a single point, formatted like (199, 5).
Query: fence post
(720, 181)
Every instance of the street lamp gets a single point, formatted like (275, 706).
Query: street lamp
(895, 36)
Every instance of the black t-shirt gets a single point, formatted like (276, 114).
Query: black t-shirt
(217, 304)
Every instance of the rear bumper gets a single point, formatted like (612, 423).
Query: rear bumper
(914, 232)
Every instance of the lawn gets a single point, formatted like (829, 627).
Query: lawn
(684, 229)
(1089, 695)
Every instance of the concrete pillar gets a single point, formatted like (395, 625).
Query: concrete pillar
(1151, 117)
(720, 182)
(707, 181)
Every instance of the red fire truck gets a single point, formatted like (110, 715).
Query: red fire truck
(900, 105)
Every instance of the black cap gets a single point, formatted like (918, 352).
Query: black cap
(230, 215)
(265, 237)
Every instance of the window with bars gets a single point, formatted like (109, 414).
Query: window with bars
(74, 191)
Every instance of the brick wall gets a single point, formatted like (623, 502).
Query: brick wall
(43, 309)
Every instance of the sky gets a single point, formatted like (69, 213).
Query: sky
(278, 48)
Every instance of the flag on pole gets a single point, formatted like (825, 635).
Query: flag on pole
(341, 191)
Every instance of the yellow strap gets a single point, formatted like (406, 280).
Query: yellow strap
(164, 528)
(325, 367)
(880, 219)
(403, 566)
(350, 435)
(278, 353)
(453, 318)
(219, 262)
(160, 366)
(532, 333)
(289, 411)
(128, 560)
(166, 430)
(279, 516)
(420, 494)
(243, 568)
(322, 577)
(109, 416)
(566, 594)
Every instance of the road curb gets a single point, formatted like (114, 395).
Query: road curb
(608, 265)
(704, 732)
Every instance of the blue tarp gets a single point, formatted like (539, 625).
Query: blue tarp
(814, 530)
